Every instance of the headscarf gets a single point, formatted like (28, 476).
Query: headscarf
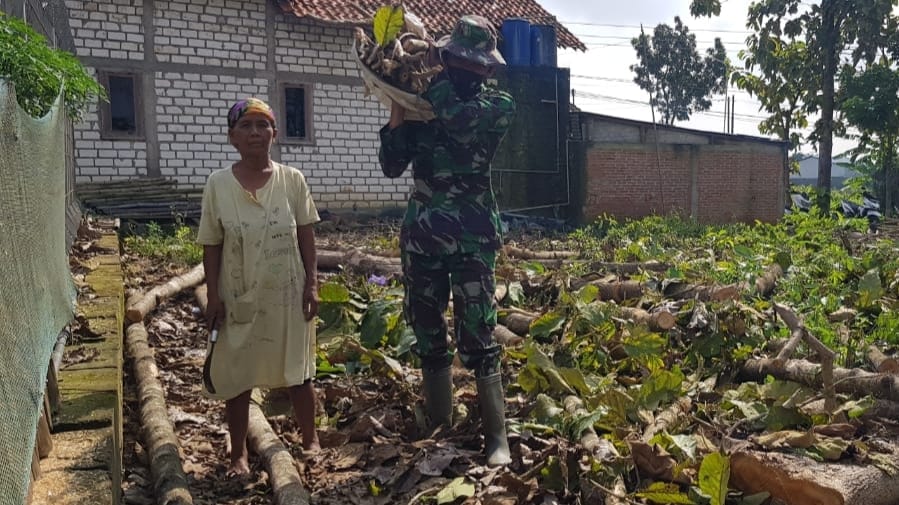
(248, 106)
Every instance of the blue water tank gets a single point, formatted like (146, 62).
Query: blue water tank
(543, 45)
(516, 47)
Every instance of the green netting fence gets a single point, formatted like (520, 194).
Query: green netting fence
(36, 291)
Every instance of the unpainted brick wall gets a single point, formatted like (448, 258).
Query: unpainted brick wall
(715, 184)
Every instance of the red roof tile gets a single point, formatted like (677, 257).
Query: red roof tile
(438, 16)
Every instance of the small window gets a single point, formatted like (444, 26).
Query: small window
(120, 117)
(296, 126)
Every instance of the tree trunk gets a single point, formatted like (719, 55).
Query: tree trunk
(358, 261)
(527, 254)
(796, 480)
(829, 43)
(506, 337)
(519, 323)
(825, 355)
(148, 302)
(629, 268)
(588, 438)
(618, 291)
(857, 383)
(656, 321)
(668, 417)
(765, 283)
(882, 363)
(169, 482)
(280, 465)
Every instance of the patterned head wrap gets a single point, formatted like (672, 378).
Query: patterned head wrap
(247, 106)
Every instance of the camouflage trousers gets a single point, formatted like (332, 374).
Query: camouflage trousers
(428, 281)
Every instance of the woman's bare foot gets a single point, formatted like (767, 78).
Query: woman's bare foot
(311, 444)
(239, 468)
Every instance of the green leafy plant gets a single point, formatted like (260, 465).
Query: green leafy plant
(177, 244)
(387, 24)
(40, 73)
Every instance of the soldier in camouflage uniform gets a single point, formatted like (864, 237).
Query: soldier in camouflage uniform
(450, 234)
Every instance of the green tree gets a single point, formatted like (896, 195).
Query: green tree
(40, 72)
(679, 79)
(829, 28)
(870, 101)
(708, 8)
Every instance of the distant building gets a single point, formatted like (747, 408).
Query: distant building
(808, 172)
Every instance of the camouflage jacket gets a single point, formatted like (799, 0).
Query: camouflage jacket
(452, 207)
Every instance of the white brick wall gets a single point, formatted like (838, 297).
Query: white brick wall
(99, 160)
(223, 33)
(342, 167)
(108, 28)
(190, 110)
(341, 162)
(310, 48)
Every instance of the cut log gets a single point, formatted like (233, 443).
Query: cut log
(500, 293)
(169, 482)
(656, 321)
(825, 355)
(506, 337)
(765, 283)
(618, 494)
(857, 383)
(668, 417)
(518, 323)
(618, 291)
(629, 268)
(527, 254)
(790, 347)
(358, 261)
(796, 480)
(705, 293)
(588, 438)
(882, 363)
(146, 304)
(280, 465)
(842, 314)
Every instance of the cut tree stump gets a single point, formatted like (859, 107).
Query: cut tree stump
(279, 463)
(144, 305)
(882, 363)
(169, 482)
(795, 480)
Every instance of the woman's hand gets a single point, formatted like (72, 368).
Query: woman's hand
(215, 312)
(310, 300)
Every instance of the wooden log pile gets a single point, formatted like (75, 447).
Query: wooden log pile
(144, 198)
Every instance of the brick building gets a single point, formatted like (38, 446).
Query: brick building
(173, 67)
(632, 169)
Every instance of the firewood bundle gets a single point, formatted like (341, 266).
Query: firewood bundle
(401, 63)
(395, 62)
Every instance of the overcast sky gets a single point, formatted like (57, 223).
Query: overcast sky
(602, 79)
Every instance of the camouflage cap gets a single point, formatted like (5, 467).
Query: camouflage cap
(473, 39)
